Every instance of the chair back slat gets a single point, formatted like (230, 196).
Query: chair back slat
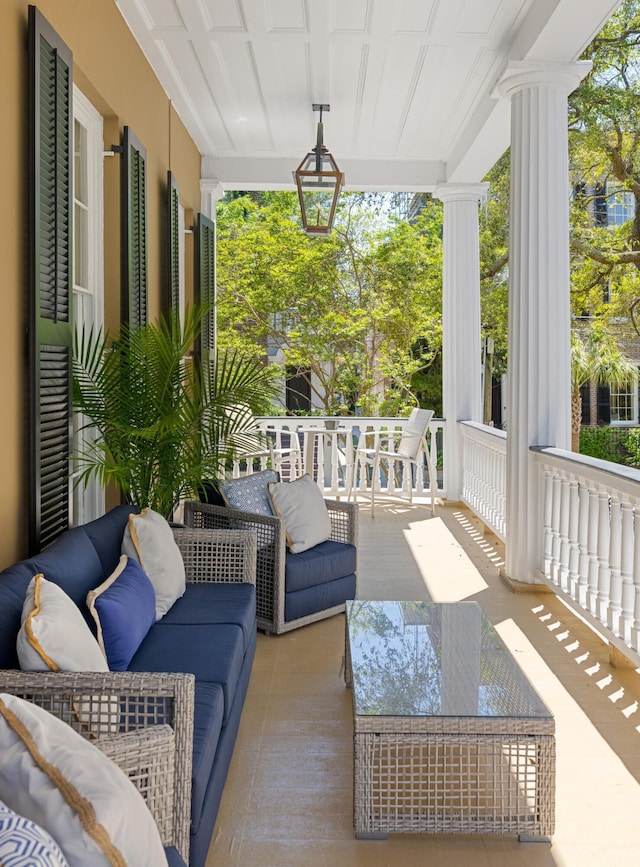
(412, 439)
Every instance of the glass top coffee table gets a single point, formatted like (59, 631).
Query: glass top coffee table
(449, 735)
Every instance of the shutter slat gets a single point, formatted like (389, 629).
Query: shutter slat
(134, 231)
(50, 338)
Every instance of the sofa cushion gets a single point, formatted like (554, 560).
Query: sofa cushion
(25, 844)
(207, 725)
(302, 603)
(73, 564)
(106, 535)
(54, 635)
(124, 608)
(13, 588)
(216, 602)
(149, 540)
(301, 506)
(58, 779)
(214, 653)
(324, 562)
(174, 858)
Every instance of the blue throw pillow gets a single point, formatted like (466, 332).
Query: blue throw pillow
(25, 844)
(124, 608)
(250, 493)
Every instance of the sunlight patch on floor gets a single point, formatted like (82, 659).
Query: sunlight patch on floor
(447, 571)
(584, 758)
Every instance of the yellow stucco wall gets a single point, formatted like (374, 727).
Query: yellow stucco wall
(113, 73)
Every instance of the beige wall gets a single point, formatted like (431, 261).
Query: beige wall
(112, 72)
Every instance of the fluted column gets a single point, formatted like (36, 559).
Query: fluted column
(461, 331)
(538, 374)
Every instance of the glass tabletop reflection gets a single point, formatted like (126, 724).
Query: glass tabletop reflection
(434, 659)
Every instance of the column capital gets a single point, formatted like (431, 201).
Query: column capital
(211, 191)
(521, 74)
(460, 192)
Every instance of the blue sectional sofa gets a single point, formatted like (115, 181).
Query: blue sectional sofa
(191, 670)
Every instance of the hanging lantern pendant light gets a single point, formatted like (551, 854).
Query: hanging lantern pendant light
(318, 180)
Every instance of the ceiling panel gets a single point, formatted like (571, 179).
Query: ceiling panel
(408, 81)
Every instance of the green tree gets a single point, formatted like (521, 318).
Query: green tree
(361, 309)
(605, 158)
(595, 357)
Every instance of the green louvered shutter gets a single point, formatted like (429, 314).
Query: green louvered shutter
(134, 231)
(50, 280)
(173, 244)
(205, 285)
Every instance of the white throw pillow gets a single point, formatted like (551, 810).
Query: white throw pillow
(301, 506)
(25, 844)
(149, 540)
(54, 635)
(56, 778)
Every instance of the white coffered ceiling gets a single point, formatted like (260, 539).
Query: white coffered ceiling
(411, 83)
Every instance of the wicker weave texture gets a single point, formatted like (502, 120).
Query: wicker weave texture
(148, 757)
(223, 555)
(457, 784)
(96, 704)
(271, 549)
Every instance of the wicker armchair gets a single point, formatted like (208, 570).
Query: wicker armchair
(155, 711)
(150, 706)
(271, 551)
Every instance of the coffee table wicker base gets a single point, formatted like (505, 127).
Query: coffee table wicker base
(496, 778)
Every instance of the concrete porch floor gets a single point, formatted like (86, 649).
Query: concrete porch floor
(288, 798)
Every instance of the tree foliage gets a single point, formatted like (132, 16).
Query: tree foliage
(605, 158)
(360, 310)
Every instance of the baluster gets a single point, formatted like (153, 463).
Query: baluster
(555, 528)
(592, 552)
(615, 557)
(626, 570)
(574, 548)
(333, 443)
(547, 531)
(635, 638)
(563, 534)
(583, 537)
(603, 550)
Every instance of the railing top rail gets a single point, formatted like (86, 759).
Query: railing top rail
(605, 473)
(485, 429)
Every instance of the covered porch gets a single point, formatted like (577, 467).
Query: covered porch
(288, 798)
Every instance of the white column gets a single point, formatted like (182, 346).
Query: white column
(538, 395)
(461, 330)
(211, 191)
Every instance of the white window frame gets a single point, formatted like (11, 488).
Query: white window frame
(633, 401)
(88, 503)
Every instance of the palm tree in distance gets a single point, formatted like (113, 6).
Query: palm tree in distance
(595, 357)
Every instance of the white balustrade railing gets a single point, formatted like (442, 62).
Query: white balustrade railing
(328, 446)
(484, 475)
(590, 549)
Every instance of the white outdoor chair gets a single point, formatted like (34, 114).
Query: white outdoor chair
(409, 453)
(263, 442)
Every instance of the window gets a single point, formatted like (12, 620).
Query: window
(624, 403)
(88, 289)
(621, 205)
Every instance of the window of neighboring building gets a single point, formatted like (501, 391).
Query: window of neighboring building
(624, 403)
(621, 205)
(88, 282)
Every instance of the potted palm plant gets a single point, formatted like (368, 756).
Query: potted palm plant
(162, 425)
